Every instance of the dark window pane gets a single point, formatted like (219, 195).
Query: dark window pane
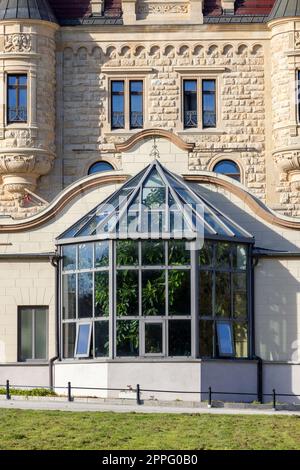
(85, 256)
(127, 293)
(179, 253)
(153, 198)
(101, 339)
(298, 91)
(206, 293)
(190, 103)
(117, 105)
(99, 167)
(206, 330)
(179, 286)
(85, 295)
(69, 296)
(206, 254)
(69, 257)
(153, 253)
(154, 180)
(69, 337)
(153, 338)
(225, 339)
(102, 294)
(83, 341)
(41, 333)
(153, 292)
(136, 104)
(239, 295)
(209, 117)
(179, 338)
(223, 294)
(17, 98)
(228, 168)
(127, 253)
(127, 338)
(240, 331)
(101, 254)
(26, 334)
(240, 257)
(223, 255)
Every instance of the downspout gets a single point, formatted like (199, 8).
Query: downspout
(54, 260)
(260, 391)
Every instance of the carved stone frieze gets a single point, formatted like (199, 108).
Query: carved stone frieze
(162, 8)
(17, 42)
(288, 162)
(297, 40)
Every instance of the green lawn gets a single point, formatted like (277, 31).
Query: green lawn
(117, 431)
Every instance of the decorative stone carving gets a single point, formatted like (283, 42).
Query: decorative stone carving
(289, 162)
(20, 172)
(17, 42)
(162, 8)
(297, 40)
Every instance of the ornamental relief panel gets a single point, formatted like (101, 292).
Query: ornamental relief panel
(18, 42)
(162, 8)
(297, 40)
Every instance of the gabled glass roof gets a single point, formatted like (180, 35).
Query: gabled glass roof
(156, 204)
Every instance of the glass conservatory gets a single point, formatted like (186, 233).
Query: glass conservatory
(156, 271)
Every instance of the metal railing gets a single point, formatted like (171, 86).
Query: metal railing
(210, 394)
(18, 114)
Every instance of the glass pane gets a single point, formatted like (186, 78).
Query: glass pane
(227, 167)
(127, 338)
(69, 257)
(26, 333)
(153, 197)
(85, 256)
(153, 293)
(69, 296)
(69, 336)
(240, 331)
(12, 79)
(154, 180)
(153, 338)
(223, 255)
(206, 293)
(101, 339)
(206, 254)
(190, 103)
(179, 253)
(102, 294)
(127, 293)
(101, 254)
(23, 80)
(179, 338)
(127, 253)
(240, 257)
(206, 330)
(85, 295)
(153, 253)
(23, 98)
(83, 342)
(223, 294)
(225, 340)
(239, 295)
(99, 167)
(117, 86)
(179, 286)
(41, 333)
(136, 104)
(209, 85)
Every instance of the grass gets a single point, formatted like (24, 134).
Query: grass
(32, 430)
(33, 392)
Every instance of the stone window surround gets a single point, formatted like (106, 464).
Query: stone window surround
(199, 74)
(125, 75)
(293, 68)
(31, 72)
(230, 156)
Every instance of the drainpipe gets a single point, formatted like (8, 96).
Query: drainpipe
(54, 260)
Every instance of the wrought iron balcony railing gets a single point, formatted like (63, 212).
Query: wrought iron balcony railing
(190, 119)
(18, 114)
(118, 120)
(209, 119)
(136, 120)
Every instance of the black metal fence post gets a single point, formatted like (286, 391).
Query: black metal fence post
(274, 399)
(138, 395)
(209, 397)
(69, 392)
(7, 390)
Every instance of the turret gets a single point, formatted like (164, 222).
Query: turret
(27, 84)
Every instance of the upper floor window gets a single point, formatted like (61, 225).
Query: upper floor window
(32, 333)
(16, 98)
(228, 168)
(127, 104)
(199, 103)
(298, 94)
(99, 167)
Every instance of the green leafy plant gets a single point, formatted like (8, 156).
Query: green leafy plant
(34, 392)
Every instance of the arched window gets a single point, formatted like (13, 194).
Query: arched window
(228, 168)
(98, 167)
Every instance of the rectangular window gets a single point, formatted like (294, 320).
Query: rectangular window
(117, 104)
(33, 333)
(16, 98)
(209, 115)
(190, 103)
(136, 104)
(225, 339)
(298, 94)
(83, 340)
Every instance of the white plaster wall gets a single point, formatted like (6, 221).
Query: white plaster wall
(284, 378)
(82, 374)
(21, 374)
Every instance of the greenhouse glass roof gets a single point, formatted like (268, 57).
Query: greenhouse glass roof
(156, 203)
